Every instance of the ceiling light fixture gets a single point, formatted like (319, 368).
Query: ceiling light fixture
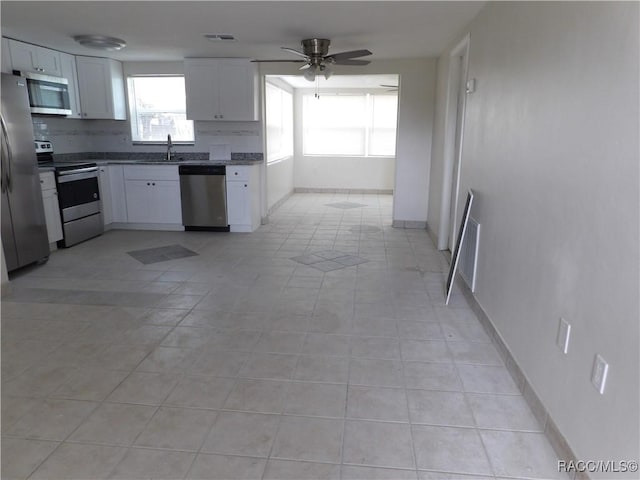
(311, 72)
(100, 42)
(221, 37)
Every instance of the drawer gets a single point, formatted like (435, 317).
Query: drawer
(151, 172)
(47, 181)
(240, 173)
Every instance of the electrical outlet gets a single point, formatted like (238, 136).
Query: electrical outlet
(564, 331)
(599, 374)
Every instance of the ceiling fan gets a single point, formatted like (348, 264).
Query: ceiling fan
(317, 60)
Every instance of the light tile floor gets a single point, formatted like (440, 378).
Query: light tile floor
(242, 363)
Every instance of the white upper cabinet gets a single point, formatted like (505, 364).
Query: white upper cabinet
(101, 86)
(6, 56)
(221, 89)
(32, 58)
(69, 71)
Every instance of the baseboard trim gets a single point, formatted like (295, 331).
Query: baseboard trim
(277, 204)
(373, 191)
(550, 429)
(413, 224)
(170, 227)
(432, 235)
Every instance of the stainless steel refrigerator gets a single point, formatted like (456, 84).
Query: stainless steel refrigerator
(24, 230)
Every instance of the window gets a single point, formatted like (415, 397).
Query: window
(158, 109)
(358, 124)
(279, 105)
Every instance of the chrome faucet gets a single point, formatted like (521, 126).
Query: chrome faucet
(169, 147)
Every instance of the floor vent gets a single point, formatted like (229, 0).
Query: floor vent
(469, 253)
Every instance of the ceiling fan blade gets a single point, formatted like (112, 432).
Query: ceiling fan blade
(295, 52)
(346, 55)
(390, 86)
(305, 66)
(351, 62)
(288, 61)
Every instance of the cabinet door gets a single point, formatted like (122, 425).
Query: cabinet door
(23, 56)
(140, 208)
(117, 193)
(236, 90)
(69, 71)
(49, 61)
(6, 56)
(32, 58)
(166, 206)
(101, 86)
(105, 195)
(238, 212)
(201, 91)
(94, 86)
(52, 215)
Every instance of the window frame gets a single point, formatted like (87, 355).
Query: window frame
(289, 153)
(368, 126)
(133, 113)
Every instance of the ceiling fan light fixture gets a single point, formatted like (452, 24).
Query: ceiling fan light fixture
(100, 42)
(310, 73)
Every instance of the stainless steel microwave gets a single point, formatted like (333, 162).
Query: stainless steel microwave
(47, 94)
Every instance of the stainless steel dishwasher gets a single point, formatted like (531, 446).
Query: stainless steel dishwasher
(204, 197)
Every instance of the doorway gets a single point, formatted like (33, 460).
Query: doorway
(343, 141)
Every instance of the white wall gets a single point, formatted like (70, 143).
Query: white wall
(415, 116)
(355, 173)
(551, 150)
(279, 181)
(438, 147)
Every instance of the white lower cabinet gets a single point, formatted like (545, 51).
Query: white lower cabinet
(243, 197)
(153, 194)
(115, 174)
(105, 194)
(51, 206)
(148, 197)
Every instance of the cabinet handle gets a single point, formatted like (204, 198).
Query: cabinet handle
(41, 181)
(245, 184)
(235, 173)
(221, 116)
(154, 184)
(148, 183)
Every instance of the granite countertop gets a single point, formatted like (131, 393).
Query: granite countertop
(156, 158)
(102, 161)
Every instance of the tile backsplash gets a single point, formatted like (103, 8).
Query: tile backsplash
(75, 136)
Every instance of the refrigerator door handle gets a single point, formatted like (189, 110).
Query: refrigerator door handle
(6, 171)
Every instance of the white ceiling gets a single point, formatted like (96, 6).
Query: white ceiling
(172, 30)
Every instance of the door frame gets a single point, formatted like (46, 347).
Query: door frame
(456, 80)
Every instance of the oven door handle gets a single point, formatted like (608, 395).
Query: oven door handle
(80, 174)
(78, 170)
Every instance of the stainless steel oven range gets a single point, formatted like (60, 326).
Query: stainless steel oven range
(79, 198)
